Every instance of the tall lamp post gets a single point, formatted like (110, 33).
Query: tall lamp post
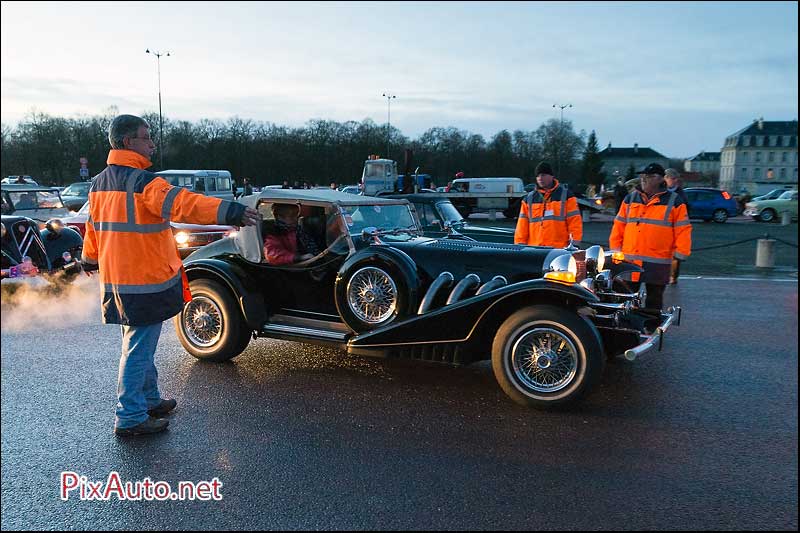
(560, 134)
(160, 117)
(388, 121)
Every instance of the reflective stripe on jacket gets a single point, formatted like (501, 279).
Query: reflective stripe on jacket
(129, 236)
(547, 217)
(652, 232)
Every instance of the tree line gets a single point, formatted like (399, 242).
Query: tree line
(49, 148)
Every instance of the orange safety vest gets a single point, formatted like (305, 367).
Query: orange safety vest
(651, 231)
(548, 217)
(128, 236)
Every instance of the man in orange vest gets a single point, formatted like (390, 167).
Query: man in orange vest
(142, 281)
(651, 227)
(549, 215)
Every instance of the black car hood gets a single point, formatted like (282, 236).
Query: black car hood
(515, 262)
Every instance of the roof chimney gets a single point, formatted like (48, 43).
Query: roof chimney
(761, 123)
(702, 152)
(635, 148)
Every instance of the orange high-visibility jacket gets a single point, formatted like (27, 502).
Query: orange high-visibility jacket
(547, 217)
(651, 231)
(128, 236)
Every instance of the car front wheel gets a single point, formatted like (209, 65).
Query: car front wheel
(720, 216)
(767, 215)
(211, 327)
(545, 356)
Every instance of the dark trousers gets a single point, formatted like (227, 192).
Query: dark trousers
(655, 296)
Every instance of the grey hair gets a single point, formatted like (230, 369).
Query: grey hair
(671, 173)
(124, 126)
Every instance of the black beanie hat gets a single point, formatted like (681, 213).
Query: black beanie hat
(543, 168)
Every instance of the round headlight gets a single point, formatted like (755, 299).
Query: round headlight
(595, 258)
(181, 237)
(564, 263)
(55, 225)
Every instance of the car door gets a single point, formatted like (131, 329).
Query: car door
(702, 206)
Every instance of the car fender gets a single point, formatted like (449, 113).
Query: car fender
(473, 319)
(231, 276)
(58, 242)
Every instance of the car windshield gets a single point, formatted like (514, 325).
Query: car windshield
(76, 189)
(449, 213)
(788, 195)
(36, 200)
(383, 217)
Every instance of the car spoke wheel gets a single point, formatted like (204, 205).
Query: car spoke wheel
(211, 326)
(372, 295)
(546, 356)
(544, 359)
(720, 216)
(202, 321)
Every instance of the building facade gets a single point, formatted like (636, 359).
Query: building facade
(760, 157)
(618, 161)
(704, 163)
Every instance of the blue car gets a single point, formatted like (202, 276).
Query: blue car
(711, 204)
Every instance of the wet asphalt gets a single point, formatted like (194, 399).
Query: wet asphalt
(700, 436)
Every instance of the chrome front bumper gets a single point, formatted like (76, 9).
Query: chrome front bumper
(672, 316)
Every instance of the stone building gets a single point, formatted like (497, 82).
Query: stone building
(619, 160)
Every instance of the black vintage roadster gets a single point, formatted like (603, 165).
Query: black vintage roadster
(547, 318)
(50, 254)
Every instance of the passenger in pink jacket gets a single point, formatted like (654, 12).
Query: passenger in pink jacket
(285, 243)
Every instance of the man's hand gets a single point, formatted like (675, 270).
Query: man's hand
(251, 217)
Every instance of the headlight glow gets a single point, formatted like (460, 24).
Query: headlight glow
(182, 238)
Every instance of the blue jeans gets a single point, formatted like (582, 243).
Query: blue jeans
(137, 384)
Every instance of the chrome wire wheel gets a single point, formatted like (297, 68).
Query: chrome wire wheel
(372, 295)
(544, 360)
(202, 321)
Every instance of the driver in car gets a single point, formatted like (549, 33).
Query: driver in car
(285, 242)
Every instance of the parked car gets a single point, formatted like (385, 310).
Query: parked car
(769, 210)
(30, 253)
(711, 204)
(547, 318)
(438, 217)
(33, 201)
(771, 195)
(75, 195)
(352, 189)
(188, 237)
(209, 182)
(15, 179)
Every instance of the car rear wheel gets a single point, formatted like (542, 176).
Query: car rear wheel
(211, 327)
(545, 356)
(767, 215)
(720, 216)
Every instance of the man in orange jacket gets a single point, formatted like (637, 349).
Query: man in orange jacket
(142, 282)
(651, 227)
(549, 216)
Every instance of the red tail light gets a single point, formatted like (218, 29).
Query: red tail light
(726, 195)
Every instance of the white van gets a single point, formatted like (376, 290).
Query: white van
(506, 185)
(209, 182)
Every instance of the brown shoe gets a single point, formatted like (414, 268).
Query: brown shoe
(163, 408)
(151, 425)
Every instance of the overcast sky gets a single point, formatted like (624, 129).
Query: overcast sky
(677, 77)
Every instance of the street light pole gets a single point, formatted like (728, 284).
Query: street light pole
(160, 116)
(560, 134)
(388, 121)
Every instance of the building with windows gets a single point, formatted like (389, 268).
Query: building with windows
(704, 163)
(620, 160)
(760, 157)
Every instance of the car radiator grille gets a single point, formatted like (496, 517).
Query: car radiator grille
(30, 243)
(580, 260)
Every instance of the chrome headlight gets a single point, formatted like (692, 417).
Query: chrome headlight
(595, 259)
(55, 225)
(562, 268)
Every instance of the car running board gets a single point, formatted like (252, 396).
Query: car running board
(287, 325)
